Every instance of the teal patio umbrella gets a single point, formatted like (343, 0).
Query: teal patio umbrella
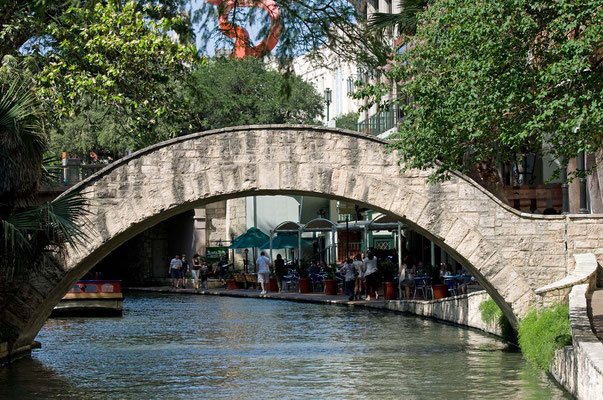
(253, 237)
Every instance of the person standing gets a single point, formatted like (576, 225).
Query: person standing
(349, 277)
(359, 281)
(262, 265)
(279, 270)
(204, 273)
(222, 270)
(406, 276)
(195, 270)
(184, 270)
(371, 276)
(174, 270)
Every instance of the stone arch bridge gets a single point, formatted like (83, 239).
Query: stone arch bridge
(510, 253)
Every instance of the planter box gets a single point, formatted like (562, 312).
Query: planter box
(331, 287)
(389, 292)
(272, 285)
(305, 285)
(440, 291)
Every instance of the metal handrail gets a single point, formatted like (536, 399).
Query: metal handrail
(70, 174)
(380, 122)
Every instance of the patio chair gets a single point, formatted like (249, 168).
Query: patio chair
(421, 287)
(317, 280)
(451, 286)
(290, 281)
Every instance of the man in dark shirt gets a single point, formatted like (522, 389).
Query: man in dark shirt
(184, 270)
(222, 269)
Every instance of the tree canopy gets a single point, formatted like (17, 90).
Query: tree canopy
(485, 82)
(231, 92)
(110, 67)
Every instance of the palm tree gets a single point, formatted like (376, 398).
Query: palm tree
(22, 145)
(28, 234)
(403, 23)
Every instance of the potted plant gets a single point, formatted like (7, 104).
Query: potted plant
(272, 283)
(388, 270)
(305, 285)
(437, 283)
(330, 282)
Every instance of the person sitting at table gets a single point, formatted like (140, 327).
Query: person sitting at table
(444, 271)
(313, 268)
(279, 270)
(420, 269)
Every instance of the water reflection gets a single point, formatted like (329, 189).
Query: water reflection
(226, 348)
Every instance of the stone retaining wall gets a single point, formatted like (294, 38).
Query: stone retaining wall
(461, 310)
(7, 357)
(579, 368)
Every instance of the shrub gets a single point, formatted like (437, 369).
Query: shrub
(543, 332)
(491, 313)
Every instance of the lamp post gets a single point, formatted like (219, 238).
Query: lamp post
(245, 267)
(347, 239)
(328, 100)
(581, 166)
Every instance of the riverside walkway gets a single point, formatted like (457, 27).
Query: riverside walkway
(253, 293)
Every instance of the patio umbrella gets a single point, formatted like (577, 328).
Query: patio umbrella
(285, 241)
(253, 237)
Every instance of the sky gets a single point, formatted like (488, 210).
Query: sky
(210, 24)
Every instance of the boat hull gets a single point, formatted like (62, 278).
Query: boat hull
(91, 299)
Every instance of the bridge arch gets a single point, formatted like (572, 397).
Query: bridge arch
(509, 252)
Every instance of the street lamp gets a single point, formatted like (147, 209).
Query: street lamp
(328, 99)
(245, 267)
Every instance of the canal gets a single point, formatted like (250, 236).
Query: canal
(182, 347)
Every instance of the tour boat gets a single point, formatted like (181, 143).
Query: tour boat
(91, 298)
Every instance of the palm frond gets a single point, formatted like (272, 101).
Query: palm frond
(404, 22)
(53, 174)
(381, 21)
(52, 223)
(65, 215)
(14, 238)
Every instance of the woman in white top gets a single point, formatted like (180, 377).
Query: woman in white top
(359, 267)
(406, 276)
(371, 276)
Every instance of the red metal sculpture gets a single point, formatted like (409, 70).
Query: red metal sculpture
(243, 47)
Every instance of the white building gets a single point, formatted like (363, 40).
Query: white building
(338, 77)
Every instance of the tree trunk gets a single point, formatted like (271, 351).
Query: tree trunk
(487, 175)
(595, 182)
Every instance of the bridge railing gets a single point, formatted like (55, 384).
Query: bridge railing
(380, 122)
(71, 172)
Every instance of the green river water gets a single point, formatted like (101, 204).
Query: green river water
(205, 347)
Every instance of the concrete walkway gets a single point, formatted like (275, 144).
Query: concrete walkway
(596, 304)
(253, 293)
